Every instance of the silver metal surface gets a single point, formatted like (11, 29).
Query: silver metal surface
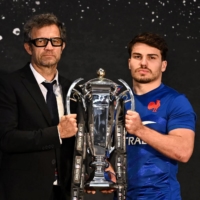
(100, 132)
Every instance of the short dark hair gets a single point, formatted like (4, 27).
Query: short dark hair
(40, 21)
(151, 39)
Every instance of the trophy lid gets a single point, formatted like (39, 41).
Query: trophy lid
(101, 80)
(101, 73)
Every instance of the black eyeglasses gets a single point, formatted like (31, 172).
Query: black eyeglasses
(42, 42)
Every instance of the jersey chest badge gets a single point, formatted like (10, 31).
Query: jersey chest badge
(154, 105)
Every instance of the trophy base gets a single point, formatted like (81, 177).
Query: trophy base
(99, 185)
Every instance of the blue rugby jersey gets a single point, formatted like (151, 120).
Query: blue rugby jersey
(151, 175)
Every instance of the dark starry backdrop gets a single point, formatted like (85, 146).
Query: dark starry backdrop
(98, 33)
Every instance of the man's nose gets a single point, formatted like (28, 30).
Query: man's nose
(144, 61)
(49, 45)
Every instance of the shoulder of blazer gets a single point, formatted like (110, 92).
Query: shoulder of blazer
(26, 72)
(26, 79)
(65, 83)
(18, 73)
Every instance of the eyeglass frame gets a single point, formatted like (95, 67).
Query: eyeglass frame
(33, 41)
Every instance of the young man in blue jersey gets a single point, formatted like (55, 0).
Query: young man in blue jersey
(161, 130)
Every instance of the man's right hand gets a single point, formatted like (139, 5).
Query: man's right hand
(67, 126)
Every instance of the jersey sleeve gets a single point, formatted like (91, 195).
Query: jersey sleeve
(181, 114)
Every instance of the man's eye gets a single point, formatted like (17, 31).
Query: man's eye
(56, 41)
(40, 41)
(136, 57)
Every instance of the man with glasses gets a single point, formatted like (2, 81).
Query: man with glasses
(36, 137)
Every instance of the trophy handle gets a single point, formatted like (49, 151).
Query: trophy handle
(69, 94)
(132, 107)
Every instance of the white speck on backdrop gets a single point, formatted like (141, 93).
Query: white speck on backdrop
(16, 31)
(37, 2)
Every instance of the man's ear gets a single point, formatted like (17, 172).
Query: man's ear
(63, 46)
(129, 63)
(28, 48)
(164, 65)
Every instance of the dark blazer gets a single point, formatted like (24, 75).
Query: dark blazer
(29, 143)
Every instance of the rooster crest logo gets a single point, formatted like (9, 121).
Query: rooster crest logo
(154, 105)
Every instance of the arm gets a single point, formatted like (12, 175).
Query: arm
(23, 127)
(178, 144)
(21, 141)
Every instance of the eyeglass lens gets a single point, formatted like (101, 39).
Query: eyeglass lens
(42, 42)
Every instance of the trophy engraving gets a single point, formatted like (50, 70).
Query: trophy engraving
(102, 105)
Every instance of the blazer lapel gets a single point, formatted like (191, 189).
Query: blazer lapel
(65, 86)
(32, 87)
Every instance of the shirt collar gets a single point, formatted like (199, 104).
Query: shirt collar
(39, 78)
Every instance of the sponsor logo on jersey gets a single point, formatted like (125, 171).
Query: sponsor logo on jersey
(134, 141)
(154, 105)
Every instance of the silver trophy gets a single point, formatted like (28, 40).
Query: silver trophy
(102, 105)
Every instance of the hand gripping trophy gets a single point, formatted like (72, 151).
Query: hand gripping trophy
(102, 105)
